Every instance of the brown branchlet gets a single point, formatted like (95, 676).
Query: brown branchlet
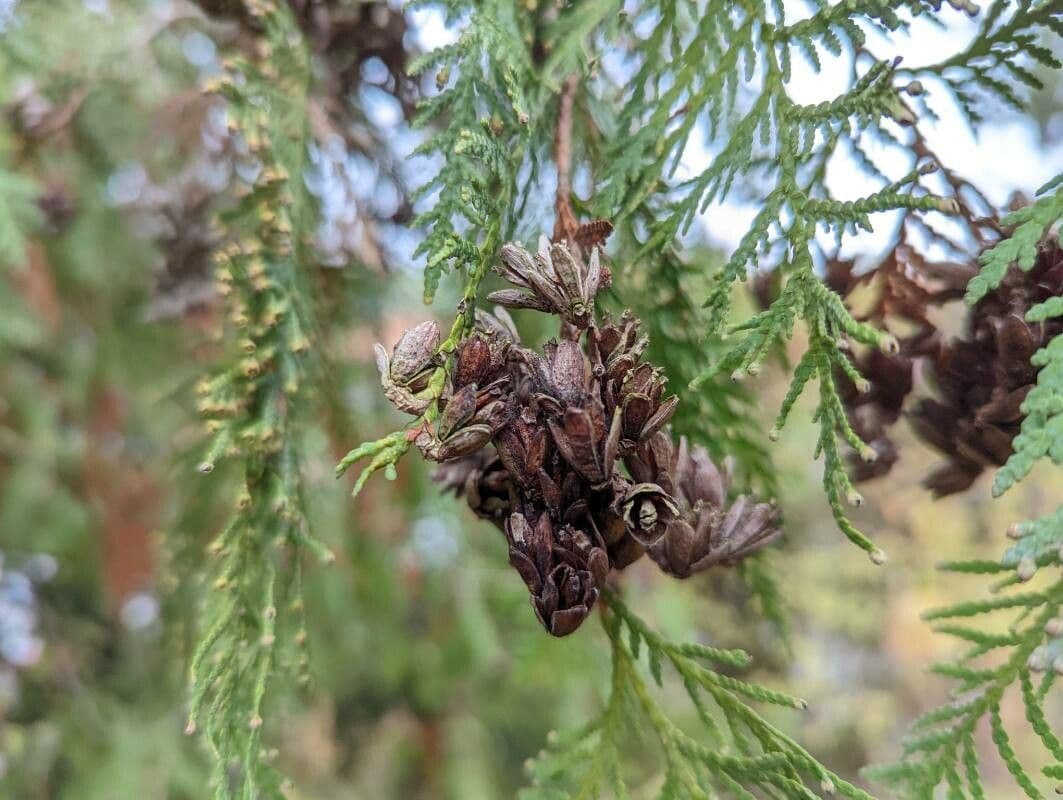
(566, 449)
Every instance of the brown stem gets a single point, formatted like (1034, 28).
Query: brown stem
(976, 222)
(565, 224)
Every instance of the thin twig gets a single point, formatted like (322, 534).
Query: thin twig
(565, 225)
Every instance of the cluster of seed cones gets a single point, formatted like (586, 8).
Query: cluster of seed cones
(978, 380)
(567, 450)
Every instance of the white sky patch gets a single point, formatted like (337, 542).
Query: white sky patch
(431, 29)
(1006, 154)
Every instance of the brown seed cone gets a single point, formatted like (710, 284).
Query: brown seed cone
(979, 380)
(484, 483)
(621, 546)
(561, 567)
(982, 379)
(648, 511)
(406, 372)
(480, 360)
(555, 280)
(706, 531)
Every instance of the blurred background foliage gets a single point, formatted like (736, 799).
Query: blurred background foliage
(430, 678)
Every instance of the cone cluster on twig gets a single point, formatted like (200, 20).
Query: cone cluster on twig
(567, 450)
(978, 380)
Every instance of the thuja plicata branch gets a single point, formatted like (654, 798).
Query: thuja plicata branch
(567, 449)
(997, 404)
(746, 753)
(941, 748)
(771, 139)
(477, 182)
(254, 603)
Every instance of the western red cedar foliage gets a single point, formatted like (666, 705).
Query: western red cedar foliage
(559, 186)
